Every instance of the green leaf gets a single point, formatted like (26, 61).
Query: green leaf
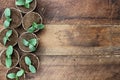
(34, 25)
(27, 60)
(9, 51)
(32, 48)
(32, 69)
(40, 26)
(27, 5)
(25, 42)
(33, 42)
(11, 75)
(5, 40)
(28, 1)
(20, 2)
(20, 73)
(8, 62)
(9, 33)
(31, 29)
(7, 12)
(6, 23)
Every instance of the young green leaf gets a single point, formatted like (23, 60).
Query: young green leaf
(33, 41)
(5, 40)
(11, 75)
(9, 33)
(20, 73)
(8, 62)
(34, 27)
(32, 69)
(31, 29)
(27, 60)
(32, 48)
(40, 26)
(6, 37)
(7, 12)
(34, 24)
(28, 1)
(6, 23)
(20, 2)
(27, 5)
(9, 51)
(25, 42)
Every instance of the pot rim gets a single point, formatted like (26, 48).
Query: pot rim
(33, 13)
(14, 68)
(24, 33)
(17, 57)
(15, 33)
(32, 55)
(29, 10)
(20, 16)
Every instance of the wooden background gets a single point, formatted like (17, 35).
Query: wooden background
(81, 40)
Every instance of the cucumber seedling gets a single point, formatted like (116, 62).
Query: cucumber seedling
(30, 43)
(25, 3)
(34, 27)
(6, 37)
(16, 75)
(8, 60)
(29, 63)
(7, 14)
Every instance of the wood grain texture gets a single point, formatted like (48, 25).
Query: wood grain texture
(75, 12)
(81, 40)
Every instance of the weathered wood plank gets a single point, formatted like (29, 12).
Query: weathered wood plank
(69, 50)
(75, 12)
(75, 68)
(76, 40)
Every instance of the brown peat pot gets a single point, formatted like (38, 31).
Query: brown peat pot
(15, 70)
(26, 36)
(12, 39)
(16, 17)
(33, 5)
(15, 58)
(29, 18)
(34, 60)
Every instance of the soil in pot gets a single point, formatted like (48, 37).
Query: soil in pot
(23, 9)
(15, 58)
(15, 70)
(34, 59)
(12, 39)
(30, 18)
(16, 17)
(26, 36)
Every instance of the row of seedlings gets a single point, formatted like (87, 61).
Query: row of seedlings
(32, 22)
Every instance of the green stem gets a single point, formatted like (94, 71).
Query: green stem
(16, 78)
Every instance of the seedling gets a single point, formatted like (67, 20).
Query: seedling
(30, 43)
(6, 37)
(25, 3)
(7, 13)
(9, 52)
(34, 27)
(29, 63)
(16, 75)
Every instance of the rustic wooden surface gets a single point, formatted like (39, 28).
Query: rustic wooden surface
(81, 40)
